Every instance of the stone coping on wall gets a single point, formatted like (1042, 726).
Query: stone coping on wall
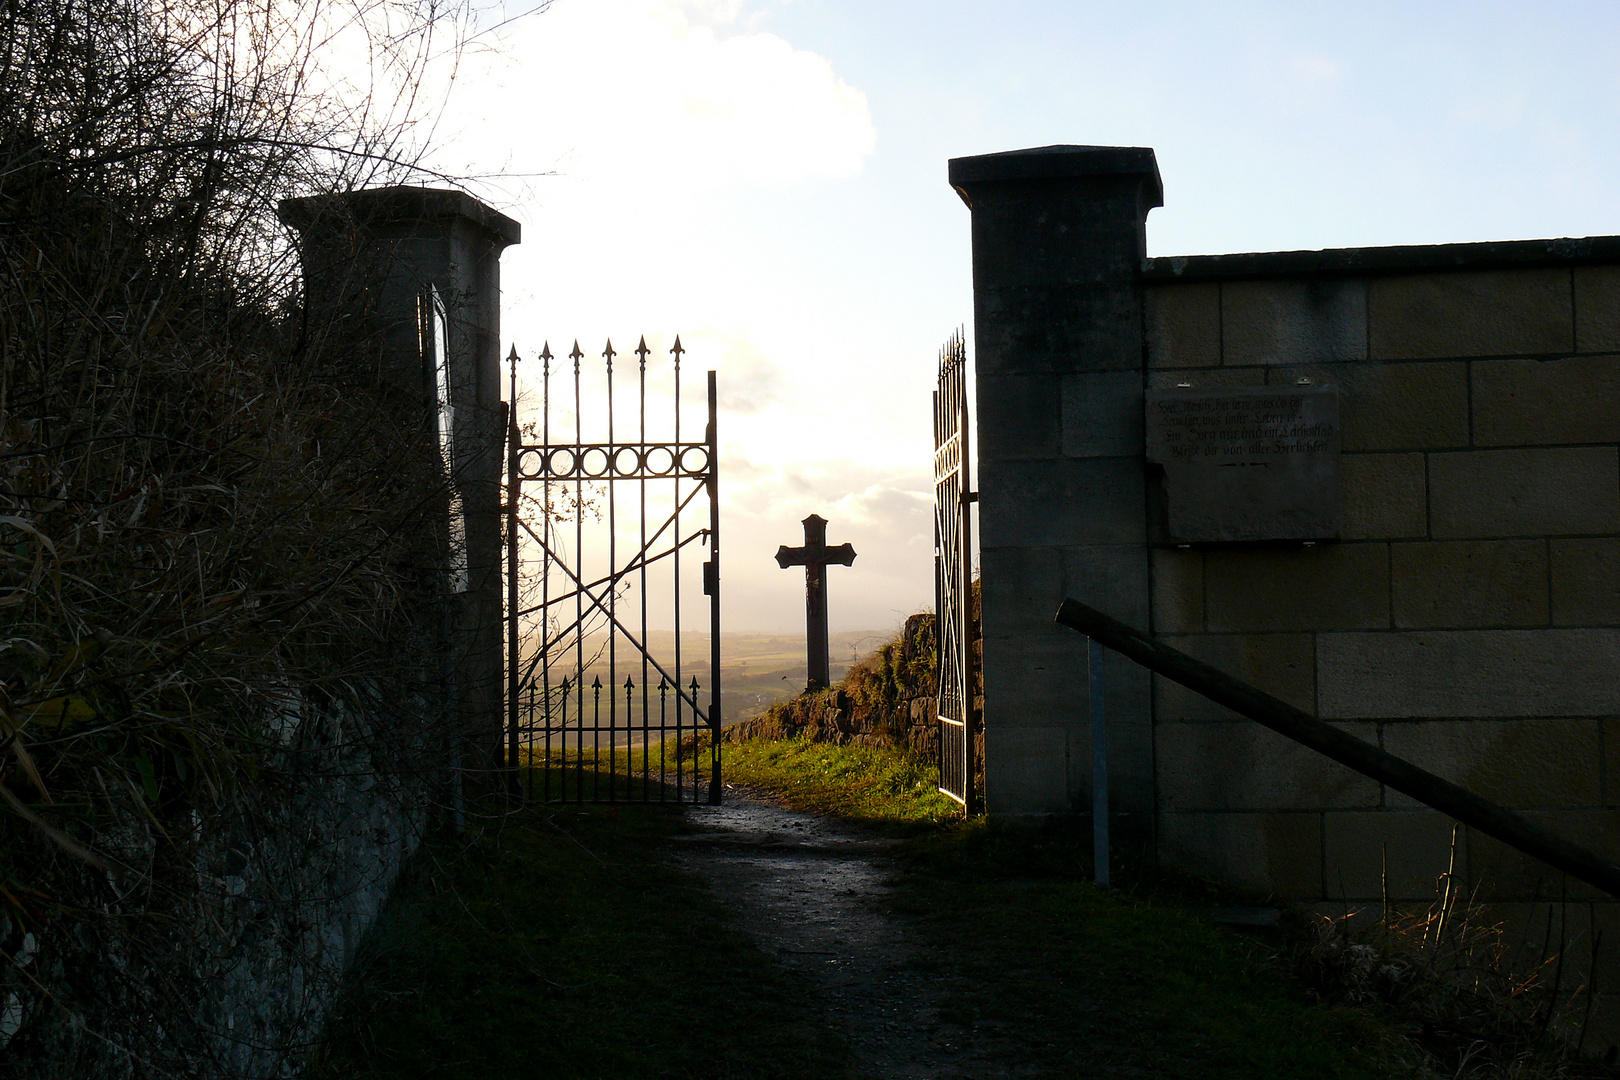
(1415, 258)
(376, 206)
(1061, 162)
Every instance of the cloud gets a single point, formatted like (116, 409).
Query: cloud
(631, 91)
(749, 382)
(723, 11)
(669, 128)
(893, 511)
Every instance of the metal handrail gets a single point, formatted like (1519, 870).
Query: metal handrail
(1365, 758)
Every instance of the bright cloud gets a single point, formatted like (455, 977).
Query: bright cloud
(620, 91)
(886, 514)
(625, 135)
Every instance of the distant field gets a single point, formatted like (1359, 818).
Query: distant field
(755, 669)
(758, 669)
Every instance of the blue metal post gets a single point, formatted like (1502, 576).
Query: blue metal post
(1099, 768)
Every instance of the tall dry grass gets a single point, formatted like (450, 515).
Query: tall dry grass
(1476, 1000)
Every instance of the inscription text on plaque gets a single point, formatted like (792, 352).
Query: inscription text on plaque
(1247, 463)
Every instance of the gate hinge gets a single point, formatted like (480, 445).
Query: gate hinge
(711, 580)
(970, 496)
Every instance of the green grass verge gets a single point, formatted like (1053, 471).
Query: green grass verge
(877, 787)
(562, 944)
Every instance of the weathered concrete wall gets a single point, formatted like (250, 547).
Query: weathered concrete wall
(251, 960)
(372, 255)
(1469, 618)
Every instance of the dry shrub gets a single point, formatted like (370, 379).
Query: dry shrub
(1473, 1002)
(218, 583)
(881, 686)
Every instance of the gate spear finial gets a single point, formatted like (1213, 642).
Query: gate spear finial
(642, 351)
(577, 355)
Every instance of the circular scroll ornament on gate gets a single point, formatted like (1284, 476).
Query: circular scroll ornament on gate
(627, 461)
(562, 462)
(659, 462)
(662, 461)
(532, 465)
(695, 460)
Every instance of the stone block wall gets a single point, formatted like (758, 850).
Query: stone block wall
(253, 952)
(1469, 618)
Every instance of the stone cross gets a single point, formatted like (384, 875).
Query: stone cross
(815, 557)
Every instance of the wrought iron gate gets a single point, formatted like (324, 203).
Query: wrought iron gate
(953, 575)
(590, 610)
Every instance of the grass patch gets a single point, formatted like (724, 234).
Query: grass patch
(561, 944)
(878, 787)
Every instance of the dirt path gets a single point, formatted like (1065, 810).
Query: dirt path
(812, 891)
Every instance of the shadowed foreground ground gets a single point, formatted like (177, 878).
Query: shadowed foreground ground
(754, 941)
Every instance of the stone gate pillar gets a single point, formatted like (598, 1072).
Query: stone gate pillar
(389, 257)
(1058, 244)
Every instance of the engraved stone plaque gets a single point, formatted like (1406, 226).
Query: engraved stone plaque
(1247, 463)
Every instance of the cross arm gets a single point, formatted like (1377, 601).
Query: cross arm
(843, 555)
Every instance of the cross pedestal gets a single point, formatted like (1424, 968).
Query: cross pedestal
(815, 557)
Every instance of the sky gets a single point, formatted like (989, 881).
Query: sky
(767, 178)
